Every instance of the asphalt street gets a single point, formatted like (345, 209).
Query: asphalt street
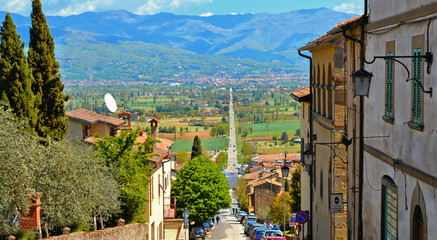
(230, 227)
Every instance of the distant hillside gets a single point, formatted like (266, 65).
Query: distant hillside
(122, 45)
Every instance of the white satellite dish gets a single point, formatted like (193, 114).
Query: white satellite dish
(110, 102)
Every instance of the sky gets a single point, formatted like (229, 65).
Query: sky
(179, 7)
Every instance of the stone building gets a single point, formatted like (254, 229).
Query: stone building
(328, 169)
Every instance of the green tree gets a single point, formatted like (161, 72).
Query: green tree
(47, 85)
(15, 75)
(277, 209)
(284, 137)
(75, 184)
(132, 170)
(287, 185)
(221, 159)
(295, 189)
(196, 150)
(202, 187)
(241, 195)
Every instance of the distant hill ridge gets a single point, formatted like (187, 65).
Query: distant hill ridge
(271, 39)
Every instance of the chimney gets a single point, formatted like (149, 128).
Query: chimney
(32, 221)
(154, 127)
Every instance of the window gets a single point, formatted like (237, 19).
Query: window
(389, 86)
(417, 91)
(389, 209)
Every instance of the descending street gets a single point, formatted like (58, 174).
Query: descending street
(230, 227)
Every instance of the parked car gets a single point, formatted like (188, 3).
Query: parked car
(254, 230)
(248, 219)
(251, 227)
(247, 225)
(197, 233)
(274, 238)
(259, 233)
(272, 233)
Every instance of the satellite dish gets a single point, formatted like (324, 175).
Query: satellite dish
(110, 102)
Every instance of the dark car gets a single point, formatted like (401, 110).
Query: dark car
(197, 233)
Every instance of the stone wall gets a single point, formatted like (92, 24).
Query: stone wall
(128, 232)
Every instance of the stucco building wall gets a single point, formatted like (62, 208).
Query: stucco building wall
(407, 155)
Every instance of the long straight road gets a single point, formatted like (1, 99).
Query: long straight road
(230, 227)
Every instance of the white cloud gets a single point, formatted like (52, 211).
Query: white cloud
(351, 7)
(208, 14)
(77, 7)
(15, 6)
(155, 6)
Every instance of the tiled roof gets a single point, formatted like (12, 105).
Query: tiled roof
(153, 119)
(90, 117)
(301, 95)
(345, 24)
(314, 43)
(337, 29)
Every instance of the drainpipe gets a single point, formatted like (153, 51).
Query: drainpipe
(361, 157)
(310, 172)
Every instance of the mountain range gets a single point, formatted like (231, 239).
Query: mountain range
(91, 44)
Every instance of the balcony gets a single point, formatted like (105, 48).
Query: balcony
(169, 208)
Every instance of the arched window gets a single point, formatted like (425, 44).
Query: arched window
(389, 209)
(418, 226)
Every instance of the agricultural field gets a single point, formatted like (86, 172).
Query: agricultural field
(211, 144)
(271, 128)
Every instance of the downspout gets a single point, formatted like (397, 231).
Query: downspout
(310, 172)
(361, 157)
(361, 130)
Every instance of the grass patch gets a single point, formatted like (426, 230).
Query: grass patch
(210, 144)
(273, 128)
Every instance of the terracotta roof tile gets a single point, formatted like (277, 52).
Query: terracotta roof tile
(302, 94)
(90, 117)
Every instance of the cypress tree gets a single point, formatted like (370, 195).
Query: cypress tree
(196, 150)
(47, 85)
(15, 75)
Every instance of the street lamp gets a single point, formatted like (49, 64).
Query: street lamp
(285, 170)
(361, 80)
(262, 197)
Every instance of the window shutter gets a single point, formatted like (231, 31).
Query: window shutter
(389, 86)
(417, 93)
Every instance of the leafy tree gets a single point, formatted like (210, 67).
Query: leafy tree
(182, 157)
(15, 75)
(298, 132)
(287, 185)
(221, 159)
(241, 195)
(275, 138)
(196, 150)
(284, 137)
(74, 183)
(295, 190)
(277, 209)
(224, 119)
(132, 170)
(202, 187)
(47, 85)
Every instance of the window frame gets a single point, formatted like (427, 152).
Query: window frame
(417, 96)
(387, 184)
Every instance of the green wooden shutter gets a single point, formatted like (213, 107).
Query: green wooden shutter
(417, 92)
(390, 213)
(389, 87)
